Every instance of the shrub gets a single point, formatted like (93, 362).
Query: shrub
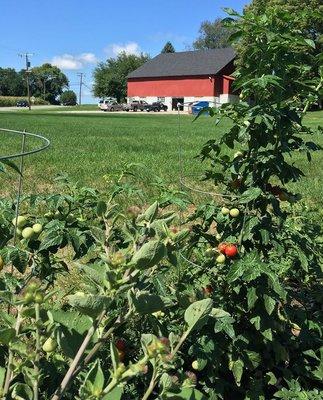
(68, 98)
(10, 101)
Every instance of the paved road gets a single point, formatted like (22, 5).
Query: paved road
(60, 110)
(26, 108)
(118, 112)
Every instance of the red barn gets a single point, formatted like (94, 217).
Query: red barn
(185, 77)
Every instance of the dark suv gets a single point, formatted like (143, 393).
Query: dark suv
(157, 106)
(22, 103)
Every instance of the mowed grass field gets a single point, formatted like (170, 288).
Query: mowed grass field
(89, 146)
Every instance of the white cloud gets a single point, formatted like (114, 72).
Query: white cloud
(68, 61)
(88, 58)
(128, 48)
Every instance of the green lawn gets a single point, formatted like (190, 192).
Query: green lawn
(88, 146)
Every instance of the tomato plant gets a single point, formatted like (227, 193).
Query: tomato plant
(106, 297)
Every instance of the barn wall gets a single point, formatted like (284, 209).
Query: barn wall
(172, 86)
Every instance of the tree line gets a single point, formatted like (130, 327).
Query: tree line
(46, 81)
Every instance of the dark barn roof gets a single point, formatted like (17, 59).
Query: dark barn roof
(199, 62)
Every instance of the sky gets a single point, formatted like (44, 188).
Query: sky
(76, 35)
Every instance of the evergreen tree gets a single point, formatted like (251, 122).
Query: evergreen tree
(168, 48)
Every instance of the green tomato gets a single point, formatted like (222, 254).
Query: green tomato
(57, 215)
(209, 253)
(50, 345)
(28, 298)
(225, 210)
(32, 287)
(39, 298)
(197, 366)
(28, 233)
(18, 231)
(21, 221)
(37, 228)
(49, 215)
(70, 218)
(234, 212)
(220, 259)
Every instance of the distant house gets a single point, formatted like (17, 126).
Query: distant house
(185, 77)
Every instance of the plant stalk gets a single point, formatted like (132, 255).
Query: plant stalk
(9, 373)
(36, 363)
(70, 373)
(153, 381)
(152, 384)
(96, 348)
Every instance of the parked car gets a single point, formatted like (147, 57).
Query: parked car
(106, 101)
(197, 107)
(22, 103)
(136, 105)
(156, 106)
(113, 106)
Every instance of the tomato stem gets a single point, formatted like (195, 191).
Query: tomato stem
(36, 363)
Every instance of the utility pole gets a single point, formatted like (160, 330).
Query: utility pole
(80, 74)
(26, 56)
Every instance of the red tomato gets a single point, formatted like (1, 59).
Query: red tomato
(222, 247)
(208, 289)
(120, 344)
(231, 250)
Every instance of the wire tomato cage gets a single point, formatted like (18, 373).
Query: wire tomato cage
(44, 144)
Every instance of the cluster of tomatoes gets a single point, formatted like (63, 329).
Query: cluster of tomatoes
(33, 294)
(227, 250)
(26, 232)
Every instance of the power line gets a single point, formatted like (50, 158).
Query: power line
(84, 84)
(26, 56)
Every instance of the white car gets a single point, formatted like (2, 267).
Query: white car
(102, 104)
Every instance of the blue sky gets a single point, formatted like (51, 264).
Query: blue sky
(75, 35)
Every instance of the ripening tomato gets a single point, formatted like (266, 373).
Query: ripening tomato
(231, 250)
(222, 247)
(120, 344)
(208, 289)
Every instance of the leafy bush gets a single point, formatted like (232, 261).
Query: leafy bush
(10, 101)
(68, 98)
(105, 301)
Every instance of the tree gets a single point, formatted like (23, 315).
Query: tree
(307, 16)
(168, 48)
(213, 35)
(12, 83)
(48, 82)
(68, 98)
(110, 77)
